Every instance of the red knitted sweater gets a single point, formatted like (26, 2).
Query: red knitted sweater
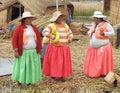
(17, 38)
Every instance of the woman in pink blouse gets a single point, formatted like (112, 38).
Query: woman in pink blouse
(57, 60)
(99, 57)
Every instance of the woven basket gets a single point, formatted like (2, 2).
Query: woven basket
(117, 77)
(110, 77)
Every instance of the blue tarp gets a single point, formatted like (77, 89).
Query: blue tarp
(6, 66)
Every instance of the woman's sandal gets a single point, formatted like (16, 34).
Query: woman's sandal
(62, 79)
(53, 80)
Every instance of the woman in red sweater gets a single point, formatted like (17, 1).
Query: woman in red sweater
(26, 42)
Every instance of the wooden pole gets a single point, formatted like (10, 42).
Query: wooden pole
(57, 5)
(67, 14)
(106, 5)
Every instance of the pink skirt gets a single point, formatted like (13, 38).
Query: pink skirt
(98, 61)
(57, 61)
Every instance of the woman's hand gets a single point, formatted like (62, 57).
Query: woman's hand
(53, 37)
(70, 40)
(16, 54)
(102, 32)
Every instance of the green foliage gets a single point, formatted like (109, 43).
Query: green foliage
(88, 12)
(87, 8)
(107, 13)
(83, 12)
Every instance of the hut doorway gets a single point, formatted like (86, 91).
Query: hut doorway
(14, 11)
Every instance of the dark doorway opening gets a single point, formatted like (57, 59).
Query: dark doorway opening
(14, 11)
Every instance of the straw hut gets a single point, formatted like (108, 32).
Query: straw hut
(115, 11)
(11, 10)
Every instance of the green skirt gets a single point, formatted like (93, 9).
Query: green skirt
(27, 68)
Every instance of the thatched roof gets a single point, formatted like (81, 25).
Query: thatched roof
(114, 12)
(35, 6)
(6, 3)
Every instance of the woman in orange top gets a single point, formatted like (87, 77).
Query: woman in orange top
(99, 58)
(57, 60)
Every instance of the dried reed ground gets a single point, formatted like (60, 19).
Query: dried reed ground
(77, 83)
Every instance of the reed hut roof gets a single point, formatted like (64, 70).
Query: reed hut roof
(6, 3)
(35, 6)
